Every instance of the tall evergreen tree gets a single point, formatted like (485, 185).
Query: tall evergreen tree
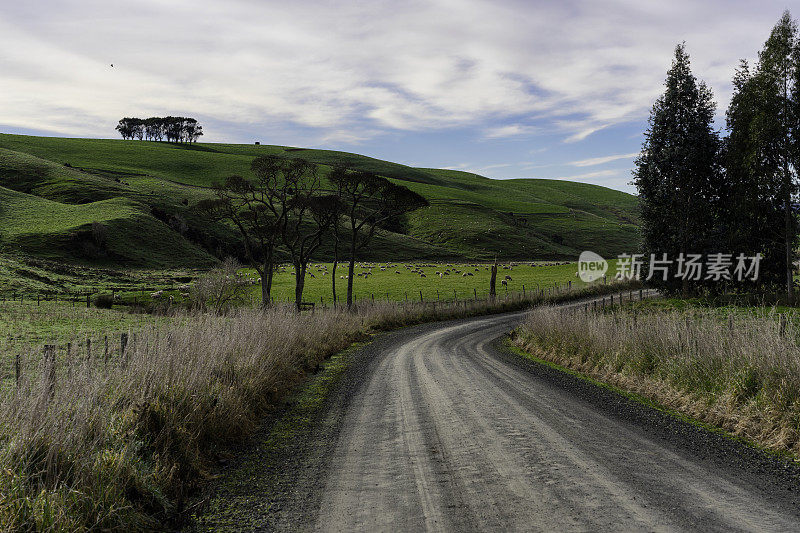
(753, 213)
(678, 172)
(763, 143)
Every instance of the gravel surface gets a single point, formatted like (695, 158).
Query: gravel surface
(438, 427)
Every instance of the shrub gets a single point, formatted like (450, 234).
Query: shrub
(221, 288)
(103, 301)
(99, 234)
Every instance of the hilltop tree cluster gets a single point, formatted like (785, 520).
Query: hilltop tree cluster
(173, 129)
(702, 193)
(288, 205)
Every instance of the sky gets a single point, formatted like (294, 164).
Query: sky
(502, 88)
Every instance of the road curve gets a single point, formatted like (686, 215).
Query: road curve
(441, 429)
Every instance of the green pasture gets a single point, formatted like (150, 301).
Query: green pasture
(384, 282)
(148, 191)
(25, 328)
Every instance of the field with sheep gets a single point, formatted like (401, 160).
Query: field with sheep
(398, 281)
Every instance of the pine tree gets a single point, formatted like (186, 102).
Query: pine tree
(753, 219)
(761, 153)
(678, 172)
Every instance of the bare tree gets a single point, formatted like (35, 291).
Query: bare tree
(309, 215)
(258, 209)
(368, 200)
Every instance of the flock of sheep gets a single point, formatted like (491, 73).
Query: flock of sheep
(465, 270)
(366, 270)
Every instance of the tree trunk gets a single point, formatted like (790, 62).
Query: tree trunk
(684, 280)
(335, 264)
(493, 282)
(300, 281)
(351, 266)
(266, 282)
(788, 222)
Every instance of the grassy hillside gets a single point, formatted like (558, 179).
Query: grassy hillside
(145, 193)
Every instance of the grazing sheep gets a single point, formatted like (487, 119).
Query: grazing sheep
(508, 278)
(504, 283)
(396, 271)
(470, 274)
(156, 295)
(464, 275)
(423, 276)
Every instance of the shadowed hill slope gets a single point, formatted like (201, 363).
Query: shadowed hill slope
(146, 193)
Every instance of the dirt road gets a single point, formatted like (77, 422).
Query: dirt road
(439, 428)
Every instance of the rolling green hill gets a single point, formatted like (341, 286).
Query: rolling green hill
(144, 195)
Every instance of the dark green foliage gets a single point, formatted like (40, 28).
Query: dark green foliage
(761, 153)
(365, 201)
(174, 129)
(678, 173)
(104, 301)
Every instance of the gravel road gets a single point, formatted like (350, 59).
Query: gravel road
(439, 428)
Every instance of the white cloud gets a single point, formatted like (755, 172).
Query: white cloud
(601, 160)
(509, 130)
(592, 175)
(354, 70)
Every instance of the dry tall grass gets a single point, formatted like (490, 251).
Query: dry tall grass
(741, 373)
(119, 446)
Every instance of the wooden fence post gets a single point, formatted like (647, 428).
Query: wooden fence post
(69, 360)
(105, 354)
(420, 296)
(783, 325)
(50, 369)
(17, 369)
(88, 349)
(475, 293)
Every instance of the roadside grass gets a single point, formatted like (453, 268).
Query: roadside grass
(27, 327)
(122, 446)
(736, 370)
